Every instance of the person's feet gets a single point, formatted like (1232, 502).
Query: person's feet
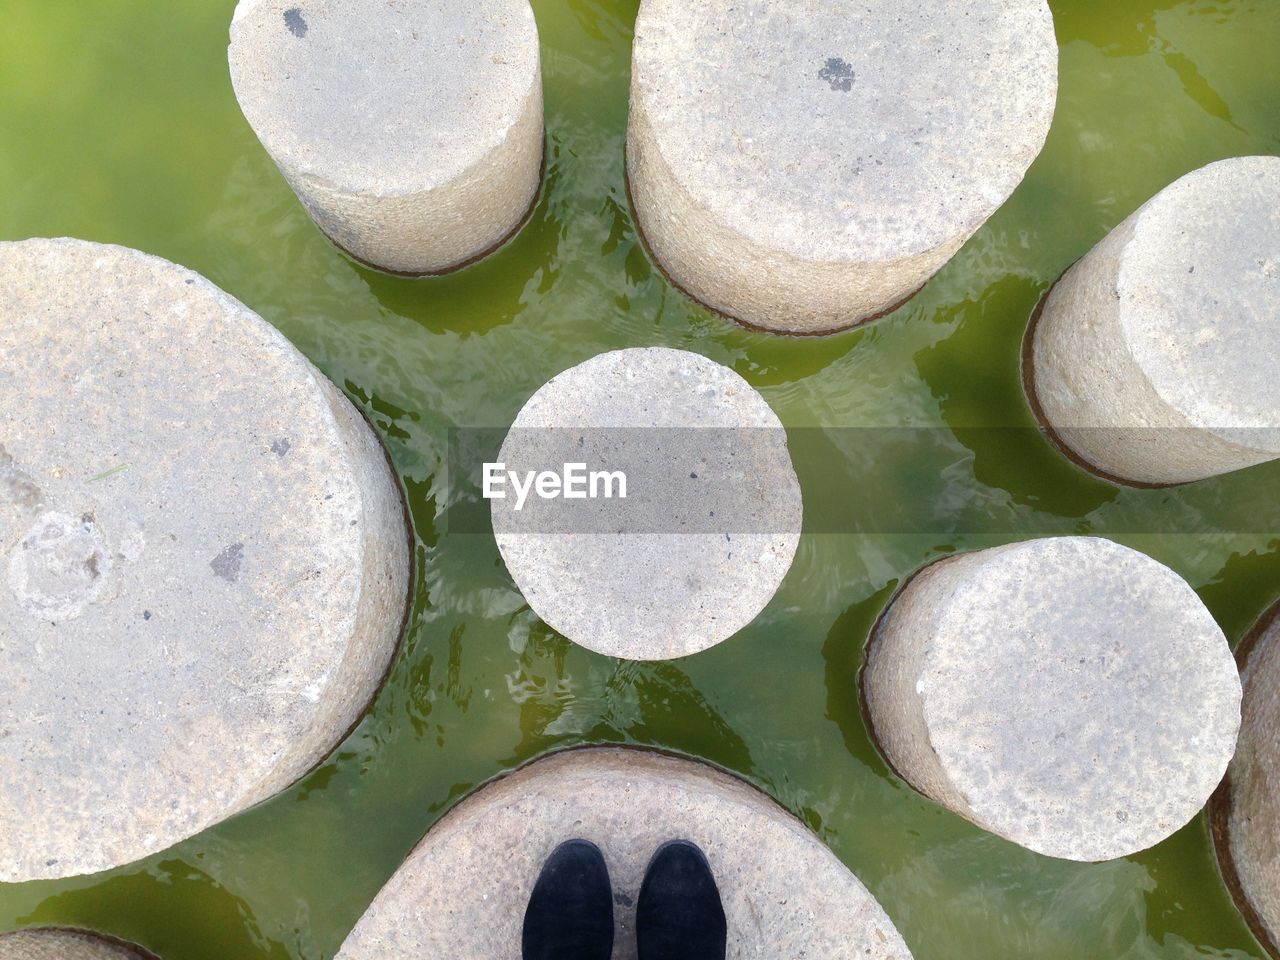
(679, 915)
(570, 914)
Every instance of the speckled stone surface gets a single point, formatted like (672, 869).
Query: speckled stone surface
(1156, 358)
(63, 945)
(712, 519)
(203, 558)
(805, 165)
(410, 129)
(1247, 810)
(1069, 694)
(462, 893)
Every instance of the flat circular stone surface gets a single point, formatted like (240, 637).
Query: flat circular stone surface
(62, 945)
(203, 559)
(1076, 693)
(383, 97)
(1199, 284)
(710, 523)
(462, 893)
(833, 131)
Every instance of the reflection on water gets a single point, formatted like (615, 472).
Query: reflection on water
(119, 127)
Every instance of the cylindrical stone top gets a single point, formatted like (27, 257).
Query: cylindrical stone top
(411, 130)
(1246, 811)
(709, 523)
(1156, 358)
(803, 166)
(463, 891)
(203, 558)
(1070, 695)
(60, 944)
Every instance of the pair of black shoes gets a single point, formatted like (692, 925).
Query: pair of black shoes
(678, 916)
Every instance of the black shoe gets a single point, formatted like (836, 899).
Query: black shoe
(570, 914)
(679, 915)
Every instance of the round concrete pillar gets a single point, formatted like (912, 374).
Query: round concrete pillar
(1246, 810)
(60, 944)
(463, 891)
(805, 166)
(1070, 694)
(204, 560)
(1155, 360)
(412, 132)
(710, 519)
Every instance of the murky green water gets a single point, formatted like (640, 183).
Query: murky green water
(117, 123)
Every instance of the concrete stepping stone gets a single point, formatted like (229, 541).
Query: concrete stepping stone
(411, 131)
(1246, 810)
(1155, 360)
(806, 166)
(203, 558)
(462, 893)
(59, 944)
(708, 528)
(1068, 694)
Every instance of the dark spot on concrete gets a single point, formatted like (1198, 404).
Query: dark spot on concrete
(693, 476)
(92, 566)
(50, 863)
(622, 898)
(146, 614)
(280, 447)
(838, 73)
(227, 564)
(190, 282)
(294, 21)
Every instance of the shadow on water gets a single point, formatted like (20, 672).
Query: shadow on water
(1255, 573)
(184, 908)
(843, 652)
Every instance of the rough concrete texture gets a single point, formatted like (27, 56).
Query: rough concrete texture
(410, 129)
(804, 166)
(646, 581)
(203, 558)
(1156, 358)
(63, 945)
(1069, 694)
(1247, 810)
(462, 893)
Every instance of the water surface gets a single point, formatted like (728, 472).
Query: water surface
(117, 124)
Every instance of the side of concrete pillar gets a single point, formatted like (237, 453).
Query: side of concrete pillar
(1246, 810)
(1156, 358)
(807, 166)
(411, 132)
(463, 891)
(204, 558)
(1069, 694)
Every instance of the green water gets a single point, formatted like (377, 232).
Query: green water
(117, 123)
